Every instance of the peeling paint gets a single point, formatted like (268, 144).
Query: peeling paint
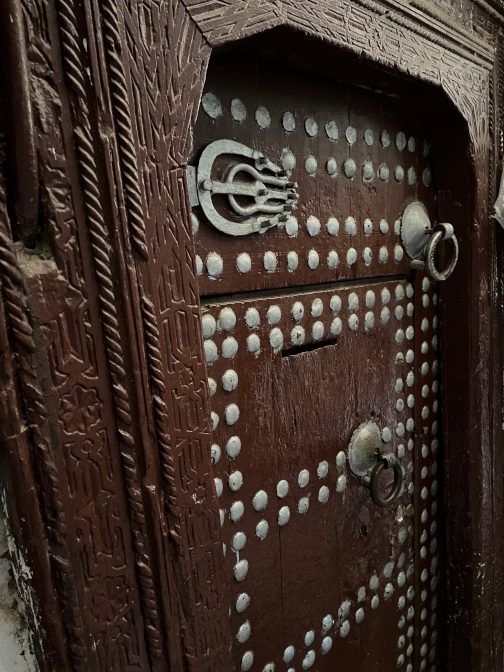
(17, 604)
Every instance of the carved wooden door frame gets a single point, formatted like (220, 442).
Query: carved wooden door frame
(129, 77)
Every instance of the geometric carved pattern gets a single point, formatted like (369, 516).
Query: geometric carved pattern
(110, 319)
(156, 54)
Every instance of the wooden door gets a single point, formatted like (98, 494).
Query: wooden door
(314, 327)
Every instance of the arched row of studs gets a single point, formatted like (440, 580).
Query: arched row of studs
(213, 108)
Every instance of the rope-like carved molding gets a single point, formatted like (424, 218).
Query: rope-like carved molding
(490, 10)
(161, 414)
(382, 10)
(491, 131)
(500, 93)
(168, 467)
(428, 8)
(110, 321)
(122, 120)
(10, 277)
(23, 335)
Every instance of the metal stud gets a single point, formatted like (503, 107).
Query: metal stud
(332, 166)
(232, 414)
(230, 380)
(253, 343)
(289, 654)
(383, 172)
(247, 660)
(260, 501)
(211, 104)
(313, 259)
(288, 122)
(313, 225)
(311, 165)
(331, 130)
(262, 117)
(229, 347)
(210, 351)
(284, 515)
(235, 481)
(236, 511)
(350, 168)
(400, 141)
(262, 529)
(311, 127)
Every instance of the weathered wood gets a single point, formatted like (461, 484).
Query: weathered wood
(104, 322)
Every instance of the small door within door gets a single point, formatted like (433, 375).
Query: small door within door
(322, 352)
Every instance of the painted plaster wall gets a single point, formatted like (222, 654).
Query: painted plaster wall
(15, 650)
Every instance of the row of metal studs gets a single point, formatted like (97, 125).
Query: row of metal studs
(213, 108)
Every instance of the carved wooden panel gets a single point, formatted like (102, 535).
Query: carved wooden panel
(121, 516)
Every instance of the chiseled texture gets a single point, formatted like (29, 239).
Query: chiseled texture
(108, 426)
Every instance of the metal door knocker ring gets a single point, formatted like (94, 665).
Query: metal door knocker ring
(421, 241)
(385, 461)
(441, 232)
(367, 462)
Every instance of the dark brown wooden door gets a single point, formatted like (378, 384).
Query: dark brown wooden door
(313, 328)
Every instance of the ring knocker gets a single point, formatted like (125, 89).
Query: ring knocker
(385, 461)
(421, 241)
(365, 458)
(441, 232)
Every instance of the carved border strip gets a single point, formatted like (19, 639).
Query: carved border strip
(431, 9)
(70, 39)
(242, 15)
(37, 414)
(413, 26)
(490, 10)
(193, 520)
(15, 364)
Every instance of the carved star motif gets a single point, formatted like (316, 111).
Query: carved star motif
(80, 409)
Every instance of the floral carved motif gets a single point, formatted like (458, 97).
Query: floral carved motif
(80, 410)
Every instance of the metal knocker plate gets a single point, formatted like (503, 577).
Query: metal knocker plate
(265, 198)
(421, 241)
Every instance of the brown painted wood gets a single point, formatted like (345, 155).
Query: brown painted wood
(317, 399)
(103, 320)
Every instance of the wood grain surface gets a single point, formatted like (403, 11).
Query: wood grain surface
(108, 425)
